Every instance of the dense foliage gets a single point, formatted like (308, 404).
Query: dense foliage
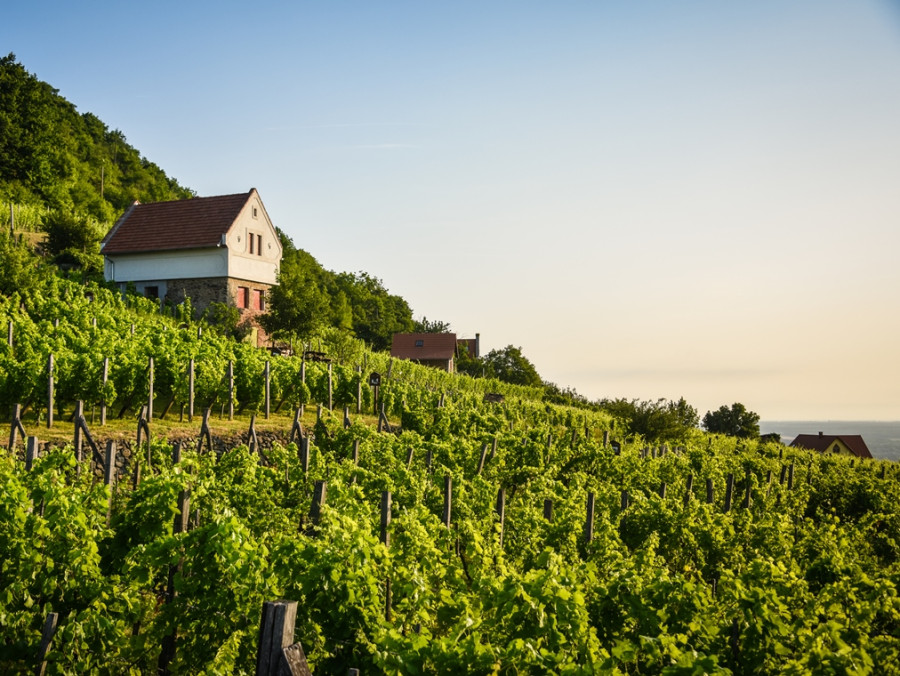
(55, 157)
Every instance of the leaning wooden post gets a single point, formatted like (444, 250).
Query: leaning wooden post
(501, 512)
(448, 500)
(16, 426)
(32, 450)
(47, 634)
(50, 391)
(589, 519)
(729, 491)
(484, 451)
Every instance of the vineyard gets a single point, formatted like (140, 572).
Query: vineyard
(464, 536)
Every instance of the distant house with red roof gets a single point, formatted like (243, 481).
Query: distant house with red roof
(209, 249)
(430, 349)
(843, 444)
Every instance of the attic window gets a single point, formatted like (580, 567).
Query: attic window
(836, 449)
(255, 213)
(420, 343)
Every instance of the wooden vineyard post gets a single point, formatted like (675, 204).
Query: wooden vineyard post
(662, 490)
(729, 491)
(104, 379)
(296, 428)
(32, 451)
(689, 489)
(589, 519)
(176, 453)
(50, 391)
(746, 503)
(252, 441)
(356, 452)
(230, 376)
(76, 441)
(484, 450)
(709, 491)
(150, 396)
(330, 388)
(275, 654)
(304, 454)
(791, 476)
(346, 417)
(191, 389)
(318, 501)
(358, 390)
(268, 376)
(605, 438)
(429, 460)
(409, 457)
(624, 500)
(548, 509)
(180, 526)
(501, 512)
(9, 334)
(448, 500)
(47, 634)
(16, 427)
(143, 427)
(386, 541)
(109, 474)
(205, 433)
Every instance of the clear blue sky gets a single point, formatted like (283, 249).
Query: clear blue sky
(652, 199)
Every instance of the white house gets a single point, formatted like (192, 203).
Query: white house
(222, 249)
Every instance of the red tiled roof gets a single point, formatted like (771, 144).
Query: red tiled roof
(434, 345)
(824, 442)
(182, 224)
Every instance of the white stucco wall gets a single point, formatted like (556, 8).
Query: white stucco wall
(186, 264)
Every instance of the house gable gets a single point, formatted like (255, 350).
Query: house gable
(431, 349)
(842, 444)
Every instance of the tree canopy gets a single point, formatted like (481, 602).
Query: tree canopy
(735, 421)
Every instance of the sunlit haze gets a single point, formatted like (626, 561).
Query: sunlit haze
(654, 199)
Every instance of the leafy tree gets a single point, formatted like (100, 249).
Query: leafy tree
(511, 366)
(736, 421)
(297, 305)
(74, 241)
(655, 421)
(424, 325)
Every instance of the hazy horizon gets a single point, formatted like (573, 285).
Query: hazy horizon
(653, 201)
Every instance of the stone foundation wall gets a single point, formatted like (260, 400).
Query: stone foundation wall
(202, 291)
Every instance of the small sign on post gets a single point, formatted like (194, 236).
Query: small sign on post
(375, 383)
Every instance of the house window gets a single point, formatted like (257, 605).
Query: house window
(243, 294)
(256, 302)
(255, 213)
(252, 241)
(151, 292)
(420, 343)
(259, 245)
(836, 449)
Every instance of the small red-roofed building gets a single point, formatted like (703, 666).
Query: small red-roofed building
(841, 444)
(209, 249)
(431, 349)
